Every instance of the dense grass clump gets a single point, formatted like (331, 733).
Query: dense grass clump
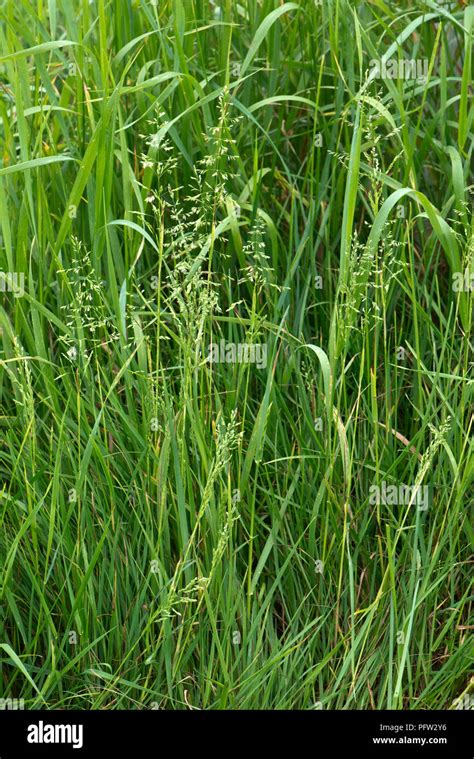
(236, 385)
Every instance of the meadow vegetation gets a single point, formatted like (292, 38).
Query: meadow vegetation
(246, 301)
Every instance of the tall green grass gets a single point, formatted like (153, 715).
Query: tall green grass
(177, 533)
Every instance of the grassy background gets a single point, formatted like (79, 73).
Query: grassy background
(180, 534)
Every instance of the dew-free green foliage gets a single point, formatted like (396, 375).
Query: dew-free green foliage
(180, 533)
